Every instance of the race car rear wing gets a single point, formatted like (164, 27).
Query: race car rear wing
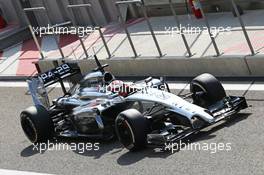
(58, 74)
(37, 84)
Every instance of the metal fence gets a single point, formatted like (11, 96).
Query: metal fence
(143, 7)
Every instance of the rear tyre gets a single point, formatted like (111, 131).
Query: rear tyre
(37, 124)
(206, 90)
(132, 128)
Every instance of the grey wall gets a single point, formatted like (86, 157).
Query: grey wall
(104, 11)
(160, 7)
(82, 15)
(9, 10)
(110, 9)
(97, 12)
(18, 13)
(53, 10)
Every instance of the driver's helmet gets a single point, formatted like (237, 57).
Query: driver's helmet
(118, 87)
(108, 78)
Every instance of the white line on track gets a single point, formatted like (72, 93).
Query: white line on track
(175, 86)
(13, 84)
(23, 84)
(14, 172)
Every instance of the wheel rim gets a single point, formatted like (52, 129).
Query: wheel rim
(138, 106)
(198, 88)
(29, 128)
(125, 133)
(200, 101)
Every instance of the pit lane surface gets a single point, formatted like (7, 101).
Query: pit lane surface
(244, 132)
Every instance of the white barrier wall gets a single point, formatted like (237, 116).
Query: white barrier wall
(176, 67)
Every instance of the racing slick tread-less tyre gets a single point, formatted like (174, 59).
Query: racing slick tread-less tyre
(37, 124)
(208, 84)
(131, 128)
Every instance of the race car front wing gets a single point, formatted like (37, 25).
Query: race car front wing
(222, 110)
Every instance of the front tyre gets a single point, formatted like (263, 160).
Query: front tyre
(132, 128)
(37, 124)
(206, 90)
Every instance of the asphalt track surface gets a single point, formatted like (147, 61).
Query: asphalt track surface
(245, 132)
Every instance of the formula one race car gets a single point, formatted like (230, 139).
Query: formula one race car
(88, 109)
(170, 118)
(142, 113)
